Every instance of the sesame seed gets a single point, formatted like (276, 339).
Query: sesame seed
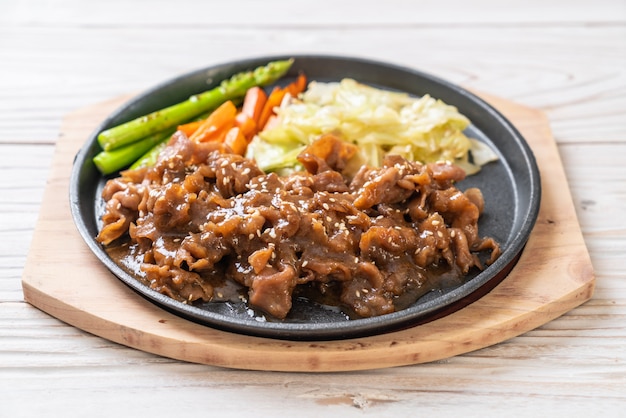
(251, 236)
(358, 294)
(234, 166)
(325, 206)
(452, 233)
(246, 171)
(439, 234)
(304, 263)
(435, 222)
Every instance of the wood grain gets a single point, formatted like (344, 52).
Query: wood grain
(553, 275)
(574, 73)
(565, 58)
(246, 13)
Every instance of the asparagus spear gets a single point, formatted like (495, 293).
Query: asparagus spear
(111, 161)
(150, 158)
(174, 115)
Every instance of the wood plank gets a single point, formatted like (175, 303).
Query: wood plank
(574, 74)
(23, 173)
(186, 13)
(578, 372)
(597, 180)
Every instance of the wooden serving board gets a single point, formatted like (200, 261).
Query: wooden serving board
(63, 278)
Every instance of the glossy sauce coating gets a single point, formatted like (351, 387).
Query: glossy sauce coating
(206, 225)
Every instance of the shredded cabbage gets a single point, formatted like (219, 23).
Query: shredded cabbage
(378, 121)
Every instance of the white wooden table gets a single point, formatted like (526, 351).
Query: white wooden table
(566, 58)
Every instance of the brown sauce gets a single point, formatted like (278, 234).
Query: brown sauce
(204, 225)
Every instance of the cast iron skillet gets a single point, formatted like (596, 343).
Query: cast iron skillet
(511, 187)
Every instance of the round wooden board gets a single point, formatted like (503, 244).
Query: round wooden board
(63, 278)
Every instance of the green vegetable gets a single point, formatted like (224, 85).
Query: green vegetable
(379, 122)
(281, 158)
(150, 158)
(111, 161)
(174, 115)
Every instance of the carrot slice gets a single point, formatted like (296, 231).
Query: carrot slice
(276, 97)
(189, 128)
(271, 122)
(217, 124)
(236, 141)
(247, 125)
(273, 100)
(297, 86)
(253, 103)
